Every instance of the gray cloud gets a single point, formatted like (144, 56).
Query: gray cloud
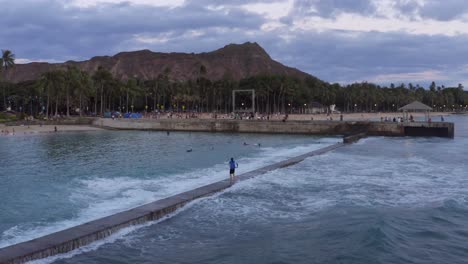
(444, 10)
(223, 2)
(62, 33)
(328, 8)
(434, 9)
(334, 56)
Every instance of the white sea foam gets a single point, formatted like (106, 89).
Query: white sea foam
(126, 235)
(342, 179)
(366, 179)
(106, 196)
(123, 234)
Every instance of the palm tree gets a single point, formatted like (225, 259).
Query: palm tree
(101, 77)
(7, 61)
(51, 83)
(84, 88)
(73, 82)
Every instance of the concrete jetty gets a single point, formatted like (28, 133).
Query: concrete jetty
(426, 129)
(81, 235)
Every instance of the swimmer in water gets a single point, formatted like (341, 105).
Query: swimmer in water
(189, 150)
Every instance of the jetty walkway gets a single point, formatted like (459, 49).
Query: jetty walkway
(72, 238)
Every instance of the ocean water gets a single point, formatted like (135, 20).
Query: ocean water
(51, 182)
(382, 200)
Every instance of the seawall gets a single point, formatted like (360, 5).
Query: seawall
(81, 235)
(439, 129)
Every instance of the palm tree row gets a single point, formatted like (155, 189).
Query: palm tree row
(72, 91)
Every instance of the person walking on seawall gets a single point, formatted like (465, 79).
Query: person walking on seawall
(232, 168)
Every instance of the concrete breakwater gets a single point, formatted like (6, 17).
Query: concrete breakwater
(439, 129)
(78, 236)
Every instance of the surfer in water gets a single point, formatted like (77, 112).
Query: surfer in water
(232, 169)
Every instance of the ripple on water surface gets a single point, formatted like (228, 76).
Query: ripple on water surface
(116, 171)
(384, 200)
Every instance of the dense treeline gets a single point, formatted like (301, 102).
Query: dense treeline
(67, 91)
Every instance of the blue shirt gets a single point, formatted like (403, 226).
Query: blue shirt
(232, 164)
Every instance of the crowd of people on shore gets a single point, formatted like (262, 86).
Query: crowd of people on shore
(199, 115)
(273, 116)
(398, 119)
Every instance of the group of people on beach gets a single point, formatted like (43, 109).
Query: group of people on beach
(401, 119)
(398, 119)
(196, 115)
(395, 119)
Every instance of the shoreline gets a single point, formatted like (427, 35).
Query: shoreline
(419, 116)
(25, 129)
(38, 129)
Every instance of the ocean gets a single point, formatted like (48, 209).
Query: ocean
(382, 200)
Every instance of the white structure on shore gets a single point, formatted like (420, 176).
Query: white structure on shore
(416, 106)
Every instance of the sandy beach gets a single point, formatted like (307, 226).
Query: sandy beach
(435, 116)
(418, 116)
(34, 129)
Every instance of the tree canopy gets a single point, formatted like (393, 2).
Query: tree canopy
(72, 91)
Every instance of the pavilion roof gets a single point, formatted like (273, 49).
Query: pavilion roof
(415, 106)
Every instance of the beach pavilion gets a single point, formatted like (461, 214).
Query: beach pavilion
(416, 106)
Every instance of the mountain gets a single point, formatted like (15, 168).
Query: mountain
(235, 61)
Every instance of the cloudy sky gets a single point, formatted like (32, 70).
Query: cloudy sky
(382, 41)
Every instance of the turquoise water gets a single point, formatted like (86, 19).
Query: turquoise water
(382, 200)
(55, 181)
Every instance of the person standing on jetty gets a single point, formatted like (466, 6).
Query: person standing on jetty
(232, 169)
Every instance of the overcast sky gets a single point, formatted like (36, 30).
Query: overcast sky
(343, 41)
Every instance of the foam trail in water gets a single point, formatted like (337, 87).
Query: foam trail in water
(124, 233)
(106, 196)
